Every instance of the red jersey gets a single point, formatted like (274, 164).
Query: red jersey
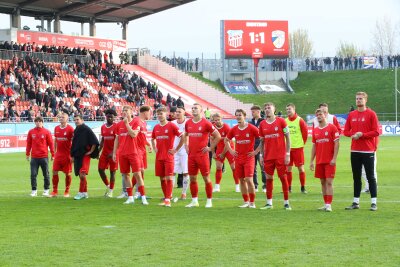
(165, 137)
(108, 134)
(274, 138)
(245, 139)
(198, 133)
(63, 138)
(142, 136)
(367, 123)
(324, 140)
(38, 140)
(223, 131)
(330, 119)
(127, 145)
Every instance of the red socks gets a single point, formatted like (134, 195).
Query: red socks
(218, 176)
(285, 187)
(209, 189)
(68, 180)
(141, 190)
(289, 177)
(270, 188)
(83, 185)
(112, 185)
(194, 189)
(170, 187)
(133, 181)
(302, 178)
(245, 197)
(164, 187)
(252, 197)
(328, 199)
(55, 183)
(129, 191)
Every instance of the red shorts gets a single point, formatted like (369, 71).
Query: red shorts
(196, 163)
(278, 164)
(85, 165)
(144, 159)
(244, 169)
(62, 164)
(164, 168)
(296, 157)
(324, 171)
(128, 162)
(228, 156)
(105, 161)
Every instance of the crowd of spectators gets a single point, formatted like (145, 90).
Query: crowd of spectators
(348, 63)
(181, 63)
(26, 77)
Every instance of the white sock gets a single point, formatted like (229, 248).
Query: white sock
(373, 200)
(286, 202)
(269, 201)
(130, 198)
(356, 200)
(194, 199)
(185, 184)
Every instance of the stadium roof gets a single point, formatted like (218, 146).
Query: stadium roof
(85, 10)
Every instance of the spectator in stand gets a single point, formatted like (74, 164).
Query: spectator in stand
(9, 93)
(85, 92)
(53, 104)
(179, 102)
(2, 93)
(11, 80)
(2, 75)
(32, 97)
(130, 98)
(46, 101)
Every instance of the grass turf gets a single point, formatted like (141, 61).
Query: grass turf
(337, 88)
(103, 232)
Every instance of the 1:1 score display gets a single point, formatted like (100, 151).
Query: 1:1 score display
(257, 37)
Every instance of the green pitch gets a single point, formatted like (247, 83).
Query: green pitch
(103, 232)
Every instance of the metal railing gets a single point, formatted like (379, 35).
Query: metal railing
(46, 57)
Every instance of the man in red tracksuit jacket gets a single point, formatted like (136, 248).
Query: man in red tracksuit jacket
(362, 127)
(39, 140)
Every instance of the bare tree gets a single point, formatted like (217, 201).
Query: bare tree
(384, 34)
(300, 44)
(348, 49)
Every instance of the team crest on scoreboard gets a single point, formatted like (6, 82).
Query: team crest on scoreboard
(278, 38)
(235, 38)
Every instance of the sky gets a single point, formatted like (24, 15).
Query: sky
(195, 27)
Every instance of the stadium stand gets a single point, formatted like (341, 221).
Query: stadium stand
(30, 86)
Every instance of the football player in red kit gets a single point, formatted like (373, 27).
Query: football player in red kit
(63, 135)
(245, 135)
(222, 152)
(107, 138)
(197, 132)
(325, 149)
(275, 145)
(126, 144)
(162, 140)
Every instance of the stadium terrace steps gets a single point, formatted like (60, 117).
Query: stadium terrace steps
(178, 83)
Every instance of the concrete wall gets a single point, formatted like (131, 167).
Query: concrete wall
(7, 34)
